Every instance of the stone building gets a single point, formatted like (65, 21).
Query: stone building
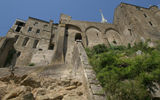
(45, 43)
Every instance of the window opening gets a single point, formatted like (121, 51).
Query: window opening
(145, 15)
(20, 24)
(55, 28)
(35, 43)
(25, 41)
(151, 24)
(97, 34)
(45, 26)
(51, 47)
(37, 32)
(16, 38)
(138, 8)
(130, 31)
(40, 49)
(36, 23)
(30, 29)
(78, 37)
(18, 54)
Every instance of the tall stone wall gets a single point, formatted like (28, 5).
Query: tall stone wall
(81, 67)
(6, 47)
(137, 23)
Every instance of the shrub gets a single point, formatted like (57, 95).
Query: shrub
(129, 45)
(32, 64)
(125, 78)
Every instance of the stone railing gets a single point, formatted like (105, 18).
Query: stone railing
(80, 63)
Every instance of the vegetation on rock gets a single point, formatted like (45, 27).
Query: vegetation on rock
(32, 64)
(124, 75)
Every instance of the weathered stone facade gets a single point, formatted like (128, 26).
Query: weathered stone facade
(47, 43)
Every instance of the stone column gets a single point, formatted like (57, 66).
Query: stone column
(58, 57)
(84, 39)
(105, 39)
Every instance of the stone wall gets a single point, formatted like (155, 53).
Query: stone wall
(137, 23)
(6, 47)
(42, 57)
(81, 67)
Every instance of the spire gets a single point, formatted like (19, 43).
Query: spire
(103, 19)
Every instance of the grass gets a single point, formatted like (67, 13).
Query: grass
(125, 78)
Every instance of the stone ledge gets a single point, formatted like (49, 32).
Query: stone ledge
(99, 97)
(97, 89)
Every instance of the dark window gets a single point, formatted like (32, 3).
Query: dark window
(18, 54)
(16, 38)
(78, 37)
(36, 23)
(138, 8)
(35, 43)
(145, 15)
(20, 24)
(37, 32)
(30, 29)
(45, 26)
(51, 47)
(150, 23)
(130, 31)
(25, 41)
(55, 28)
(40, 49)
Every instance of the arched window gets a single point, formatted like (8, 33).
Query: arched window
(78, 37)
(16, 38)
(35, 43)
(25, 41)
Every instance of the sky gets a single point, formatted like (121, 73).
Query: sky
(85, 10)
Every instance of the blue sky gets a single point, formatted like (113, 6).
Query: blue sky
(86, 10)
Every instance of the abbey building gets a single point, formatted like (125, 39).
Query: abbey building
(45, 43)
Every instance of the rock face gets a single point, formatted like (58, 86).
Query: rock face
(33, 87)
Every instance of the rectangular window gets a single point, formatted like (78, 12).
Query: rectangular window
(138, 8)
(30, 29)
(45, 26)
(37, 32)
(36, 23)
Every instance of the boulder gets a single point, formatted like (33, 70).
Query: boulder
(15, 92)
(3, 88)
(50, 96)
(40, 91)
(154, 90)
(139, 53)
(65, 82)
(32, 81)
(70, 87)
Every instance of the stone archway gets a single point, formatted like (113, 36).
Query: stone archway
(78, 37)
(113, 37)
(94, 36)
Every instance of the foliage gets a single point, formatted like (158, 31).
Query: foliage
(114, 41)
(32, 64)
(125, 78)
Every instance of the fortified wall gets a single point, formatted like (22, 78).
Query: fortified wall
(46, 43)
(57, 50)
